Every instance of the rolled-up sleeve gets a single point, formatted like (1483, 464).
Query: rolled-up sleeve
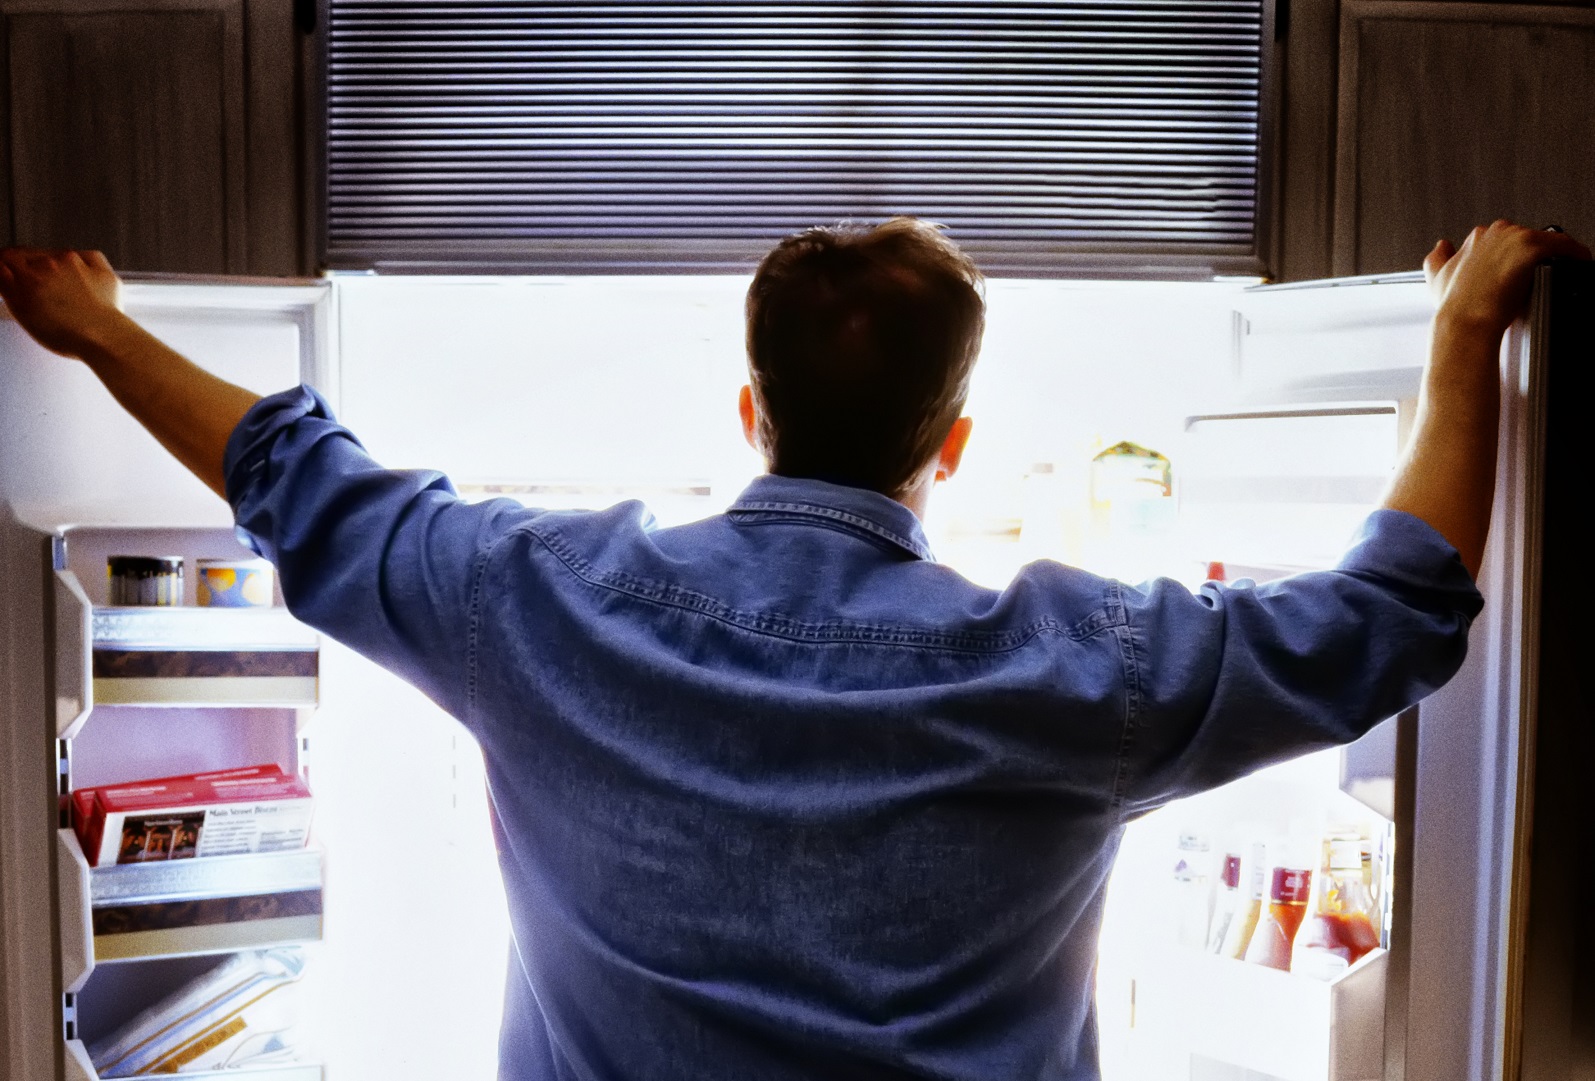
(1233, 678)
(385, 561)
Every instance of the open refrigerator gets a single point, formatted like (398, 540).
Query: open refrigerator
(1280, 411)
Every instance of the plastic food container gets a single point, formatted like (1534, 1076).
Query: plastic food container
(234, 583)
(145, 580)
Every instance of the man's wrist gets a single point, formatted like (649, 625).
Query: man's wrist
(109, 340)
(1464, 365)
(1457, 323)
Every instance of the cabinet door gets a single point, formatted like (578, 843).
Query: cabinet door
(159, 131)
(1453, 115)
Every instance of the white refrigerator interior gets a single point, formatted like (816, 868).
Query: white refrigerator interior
(1280, 413)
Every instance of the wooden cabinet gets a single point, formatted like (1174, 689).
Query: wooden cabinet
(166, 133)
(1452, 115)
(1404, 121)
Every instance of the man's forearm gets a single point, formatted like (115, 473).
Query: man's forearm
(1447, 473)
(187, 409)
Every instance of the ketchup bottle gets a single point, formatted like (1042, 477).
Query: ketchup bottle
(1341, 929)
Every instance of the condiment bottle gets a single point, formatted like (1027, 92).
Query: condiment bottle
(1228, 904)
(1341, 929)
(1249, 906)
(1276, 929)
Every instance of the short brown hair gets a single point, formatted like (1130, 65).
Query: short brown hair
(861, 341)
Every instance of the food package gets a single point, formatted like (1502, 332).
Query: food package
(241, 1013)
(254, 809)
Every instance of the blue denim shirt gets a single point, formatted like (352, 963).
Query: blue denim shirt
(778, 796)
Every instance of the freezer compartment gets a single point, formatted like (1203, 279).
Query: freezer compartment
(1210, 1018)
(1332, 341)
(184, 907)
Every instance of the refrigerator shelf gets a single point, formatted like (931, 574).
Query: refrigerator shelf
(177, 656)
(185, 907)
(1192, 1006)
(80, 1068)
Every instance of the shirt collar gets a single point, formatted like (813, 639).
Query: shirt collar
(856, 510)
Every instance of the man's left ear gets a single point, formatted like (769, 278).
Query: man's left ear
(952, 448)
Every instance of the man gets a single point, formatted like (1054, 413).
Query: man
(776, 795)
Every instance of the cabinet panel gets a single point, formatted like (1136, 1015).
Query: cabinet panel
(127, 132)
(1452, 115)
(165, 132)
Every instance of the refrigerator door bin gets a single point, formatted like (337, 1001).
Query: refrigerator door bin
(177, 656)
(184, 654)
(202, 657)
(79, 1068)
(1203, 1015)
(1340, 341)
(183, 907)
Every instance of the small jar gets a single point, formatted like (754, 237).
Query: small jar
(145, 580)
(234, 583)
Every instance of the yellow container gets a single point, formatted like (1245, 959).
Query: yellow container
(234, 583)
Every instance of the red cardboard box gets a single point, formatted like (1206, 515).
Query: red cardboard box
(229, 812)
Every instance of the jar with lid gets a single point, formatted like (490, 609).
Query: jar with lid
(145, 580)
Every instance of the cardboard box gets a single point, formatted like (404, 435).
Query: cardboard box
(227, 813)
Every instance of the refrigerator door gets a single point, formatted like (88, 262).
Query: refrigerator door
(1276, 467)
(70, 456)
(1357, 347)
(1550, 980)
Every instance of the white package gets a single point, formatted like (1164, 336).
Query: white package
(240, 1012)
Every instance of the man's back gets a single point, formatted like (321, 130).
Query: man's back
(779, 797)
(798, 824)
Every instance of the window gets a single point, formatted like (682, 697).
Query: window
(586, 136)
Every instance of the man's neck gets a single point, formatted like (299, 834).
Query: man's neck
(917, 498)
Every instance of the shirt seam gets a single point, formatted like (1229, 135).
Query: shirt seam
(876, 540)
(474, 622)
(1124, 632)
(818, 511)
(793, 630)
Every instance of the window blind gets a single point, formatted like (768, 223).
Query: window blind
(620, 137)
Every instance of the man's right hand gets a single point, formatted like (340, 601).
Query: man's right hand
(67, 300)
(1485, 286)
(1447, 472)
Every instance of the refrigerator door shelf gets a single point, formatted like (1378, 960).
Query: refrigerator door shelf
(1332, 341)
(80, 1068)
(214, 905)
(178, 656)
(1244, 1020)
